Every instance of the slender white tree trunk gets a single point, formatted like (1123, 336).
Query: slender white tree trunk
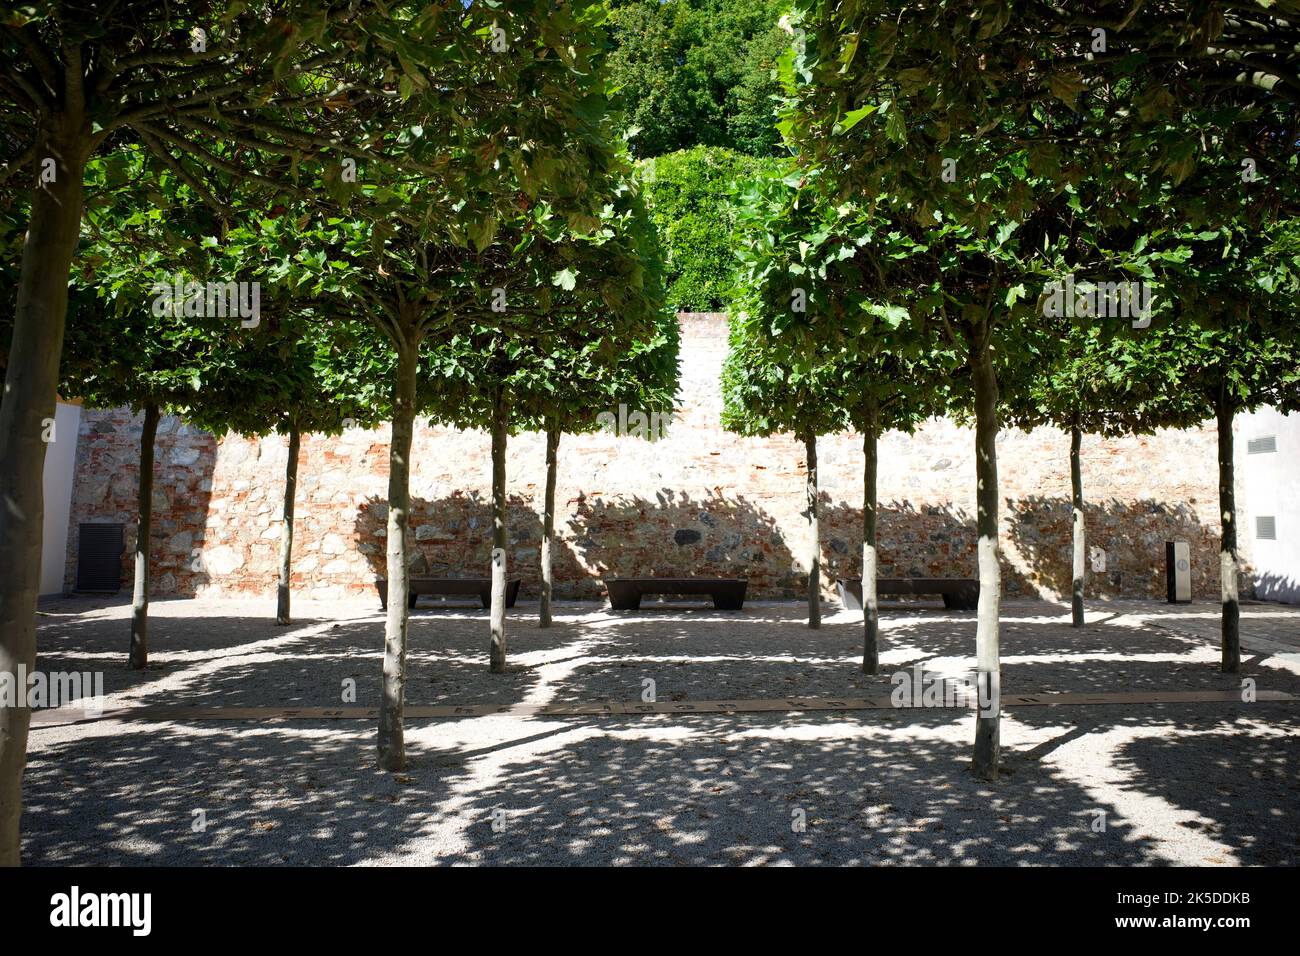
(26, 407)
(1230, 661)
(138, 658)
(500, 423)
(814, 534)
(548, 524)
(392, 736)
(870, 568)
(1079, 577)
(282, 591)
(987, 656)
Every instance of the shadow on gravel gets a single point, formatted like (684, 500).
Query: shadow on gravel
(699, 791)
(271, 794)
(1251, 800)
(871, 787)
(736, 792)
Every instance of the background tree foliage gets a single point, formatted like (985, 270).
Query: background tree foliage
(691, 196)
(697, 73)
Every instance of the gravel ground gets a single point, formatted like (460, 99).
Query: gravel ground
(1178, 784)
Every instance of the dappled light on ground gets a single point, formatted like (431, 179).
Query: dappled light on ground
(1150, 784)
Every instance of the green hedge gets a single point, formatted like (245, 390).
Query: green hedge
(691, 195)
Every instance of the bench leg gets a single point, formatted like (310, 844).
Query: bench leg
(411, 599)
(625, 604)
(486, 598)
(727, 603)
(961, 602)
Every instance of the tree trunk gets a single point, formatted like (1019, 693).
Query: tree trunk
(814, 532)
(138, 659)
(987, 662)
(870, 571)
(30, 386)
(1080, 534)
(282, 615)
(548, 523)
(500, 421)
(392, 741)
(1230, 662)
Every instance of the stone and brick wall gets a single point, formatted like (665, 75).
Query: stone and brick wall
(699, 501)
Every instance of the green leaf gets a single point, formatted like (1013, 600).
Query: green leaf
(853, 118)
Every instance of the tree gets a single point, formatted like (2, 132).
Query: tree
(846, 270)
(1204, 240)
(963, 120)
(150, 335)
(142, 361)
(585, 389)
(1085, 380)
(764, 395)
(643, 379)
(142, 333)
(304, 374)
(1232, 346)
(523, 157)
(597, 317)
(975, 216)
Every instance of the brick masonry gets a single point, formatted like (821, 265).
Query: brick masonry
(699, 501)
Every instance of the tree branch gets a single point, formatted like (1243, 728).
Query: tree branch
(209, 199)
(42, 59)
(216, 162)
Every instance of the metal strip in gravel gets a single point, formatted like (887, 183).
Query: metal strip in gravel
(57, 716)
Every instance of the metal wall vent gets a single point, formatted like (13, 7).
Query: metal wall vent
(1266, 528)
(1262, 446)
(99, 557)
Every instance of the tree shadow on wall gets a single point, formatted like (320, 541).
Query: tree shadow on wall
(1133, 535)
(677, 535)
(931, 541)
(451, 537)
(1269, 586)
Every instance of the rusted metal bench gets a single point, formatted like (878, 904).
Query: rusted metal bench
(429, 585)
(625, 593)
(959, 594)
